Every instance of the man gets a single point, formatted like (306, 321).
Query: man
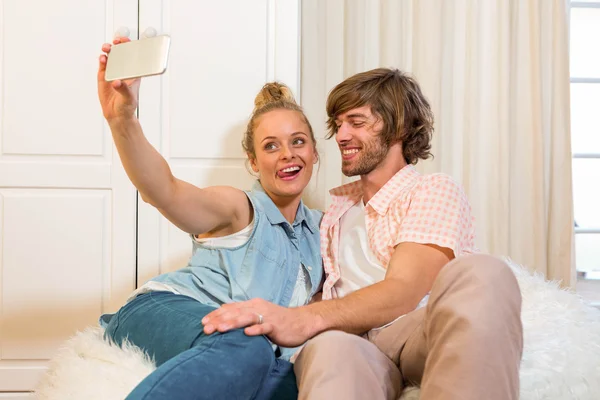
(393, 242)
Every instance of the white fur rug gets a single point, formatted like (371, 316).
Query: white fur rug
(561, 357)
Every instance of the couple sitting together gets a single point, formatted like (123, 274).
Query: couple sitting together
(279, 301)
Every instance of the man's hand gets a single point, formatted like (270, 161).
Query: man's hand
(288, 327)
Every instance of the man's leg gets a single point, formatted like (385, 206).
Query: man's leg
(338, 365)
(470, 341)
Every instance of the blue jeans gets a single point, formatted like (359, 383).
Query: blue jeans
(193, 365)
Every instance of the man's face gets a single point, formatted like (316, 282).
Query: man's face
(361, 145)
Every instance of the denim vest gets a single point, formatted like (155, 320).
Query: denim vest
(265, 267)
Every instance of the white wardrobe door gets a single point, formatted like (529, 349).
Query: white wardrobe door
(67, 210)
(222, 54)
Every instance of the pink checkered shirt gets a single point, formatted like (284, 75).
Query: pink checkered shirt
(410, 207)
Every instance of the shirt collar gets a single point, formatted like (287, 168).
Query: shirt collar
(275, 216)
(383, 198)
(380, 202)
(349, 192)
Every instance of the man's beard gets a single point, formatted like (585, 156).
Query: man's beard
(369, 157)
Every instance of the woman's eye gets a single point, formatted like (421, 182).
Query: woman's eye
(298, 141)
(270, 146)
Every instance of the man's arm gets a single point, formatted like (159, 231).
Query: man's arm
(410, 276)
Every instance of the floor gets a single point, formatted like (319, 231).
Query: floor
(589, 289)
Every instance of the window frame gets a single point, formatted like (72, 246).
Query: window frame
(579, 230)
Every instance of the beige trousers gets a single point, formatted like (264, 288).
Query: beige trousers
(465, 345)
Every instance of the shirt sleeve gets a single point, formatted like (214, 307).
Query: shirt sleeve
(438, 213)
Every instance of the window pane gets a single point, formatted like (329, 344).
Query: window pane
(585, 46)
(587, 251)
(586, 192)
(585, 117)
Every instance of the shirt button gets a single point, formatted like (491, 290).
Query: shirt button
(308, 267)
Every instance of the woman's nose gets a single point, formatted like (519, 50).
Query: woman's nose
(286, 153)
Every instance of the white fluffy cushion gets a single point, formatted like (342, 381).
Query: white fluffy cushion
(561, 358)
(87, 367)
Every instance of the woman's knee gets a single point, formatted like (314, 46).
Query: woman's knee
(249, 351)
(161, 324)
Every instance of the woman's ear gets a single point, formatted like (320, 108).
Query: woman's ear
(253, 163)
(316, 157)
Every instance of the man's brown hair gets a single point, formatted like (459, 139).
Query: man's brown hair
(396, 99)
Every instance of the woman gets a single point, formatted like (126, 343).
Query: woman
(263, 243)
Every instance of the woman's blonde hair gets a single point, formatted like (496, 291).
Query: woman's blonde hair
(272, 96)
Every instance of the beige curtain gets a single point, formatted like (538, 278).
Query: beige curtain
(496, 73)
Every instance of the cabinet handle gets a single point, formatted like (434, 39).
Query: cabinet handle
(149, 32)
(123, 31)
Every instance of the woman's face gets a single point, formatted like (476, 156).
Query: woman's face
(285, 153)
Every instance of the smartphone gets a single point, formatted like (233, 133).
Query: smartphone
(144, 57)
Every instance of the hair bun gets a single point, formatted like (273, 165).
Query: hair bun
(273, 92)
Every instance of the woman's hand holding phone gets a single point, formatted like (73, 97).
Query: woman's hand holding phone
(118, 98)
